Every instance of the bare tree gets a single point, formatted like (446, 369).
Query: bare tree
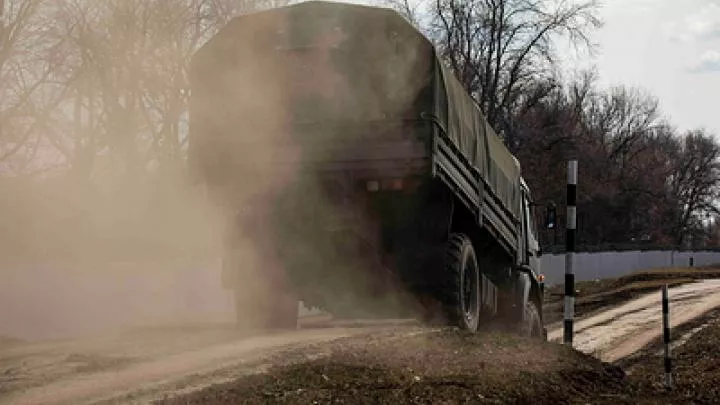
(500, 47)
(102, 41)
(628, 154)
(409, 9)
(127, 81)
(224, 10)
(180, 27)
(503, 50)
(696, 182)
(28, 58)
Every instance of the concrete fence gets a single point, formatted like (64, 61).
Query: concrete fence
(600, 265)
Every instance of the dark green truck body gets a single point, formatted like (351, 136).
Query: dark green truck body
(356, 93)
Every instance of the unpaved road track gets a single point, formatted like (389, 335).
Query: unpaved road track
(620, 331)
(141, 366)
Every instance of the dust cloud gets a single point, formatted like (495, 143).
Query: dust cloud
(77, 260)
(83, 257)
(300, 100)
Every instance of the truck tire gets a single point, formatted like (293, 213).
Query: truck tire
(531, 325)
(461, 295)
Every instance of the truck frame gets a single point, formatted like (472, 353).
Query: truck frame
(396, 193)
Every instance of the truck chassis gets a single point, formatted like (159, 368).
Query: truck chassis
(424, 212)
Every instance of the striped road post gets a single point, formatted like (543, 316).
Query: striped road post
(666, 337)
(571, 224)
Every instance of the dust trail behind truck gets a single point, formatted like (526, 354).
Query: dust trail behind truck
(346, 153)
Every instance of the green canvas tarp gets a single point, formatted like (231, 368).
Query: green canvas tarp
(471, 132)
(338, 65)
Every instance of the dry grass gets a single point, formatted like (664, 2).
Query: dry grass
(696, 366)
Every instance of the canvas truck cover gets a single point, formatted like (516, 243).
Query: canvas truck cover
(320, 71)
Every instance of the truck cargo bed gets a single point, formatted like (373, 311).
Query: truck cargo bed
(347, 70)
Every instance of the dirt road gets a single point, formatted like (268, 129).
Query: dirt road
(620, 331)
(145, 364)
(142, 365)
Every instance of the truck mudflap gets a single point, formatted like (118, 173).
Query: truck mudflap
(489, 297)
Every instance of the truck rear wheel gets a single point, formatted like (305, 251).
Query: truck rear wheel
(531, 325)
(461, 295)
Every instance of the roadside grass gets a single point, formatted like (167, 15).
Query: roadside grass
(696, 365)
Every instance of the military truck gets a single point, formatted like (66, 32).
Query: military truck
(352, 158)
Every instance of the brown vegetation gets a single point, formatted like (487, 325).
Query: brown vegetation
(696, 375)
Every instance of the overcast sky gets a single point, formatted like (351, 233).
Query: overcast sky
(670, 48)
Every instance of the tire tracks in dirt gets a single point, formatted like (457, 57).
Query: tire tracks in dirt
(620, 331)
(147, 365)
(154, 376)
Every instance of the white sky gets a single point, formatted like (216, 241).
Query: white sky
(670, 48)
